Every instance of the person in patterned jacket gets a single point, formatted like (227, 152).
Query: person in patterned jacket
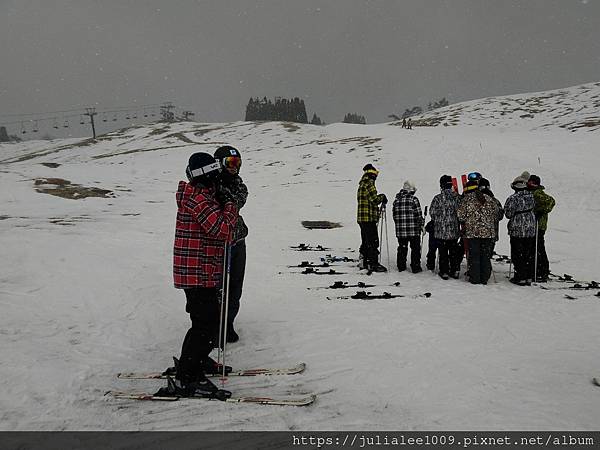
(544, 204)
(230, 187)
(484, 186)
(479, 215)
(409, 221)
(203, 229)
(367, 218)
(443, 210)
(519, 208)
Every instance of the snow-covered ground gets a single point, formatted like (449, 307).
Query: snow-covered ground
(86, 286)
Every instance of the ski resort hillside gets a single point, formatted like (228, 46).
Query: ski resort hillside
(576, 109)
(86, 288)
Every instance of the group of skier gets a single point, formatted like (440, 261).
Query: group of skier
(461, 224)
(209, 262)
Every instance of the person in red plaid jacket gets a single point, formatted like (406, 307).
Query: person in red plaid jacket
(203, 229)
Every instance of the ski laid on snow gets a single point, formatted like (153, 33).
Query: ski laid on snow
(299, 368)
(363, 295)
(309, 248)
(281, 401)
(312, 271)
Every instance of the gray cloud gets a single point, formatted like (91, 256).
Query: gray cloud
(369, 57)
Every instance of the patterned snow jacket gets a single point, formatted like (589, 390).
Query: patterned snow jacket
(201, 231)
(233, 189)
(480, 214)
(368, 200)
(407, 215)
(544, 203)
(443, 212)
(518, 208)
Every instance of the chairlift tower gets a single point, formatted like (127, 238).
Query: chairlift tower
(91, 112)
(166, 113)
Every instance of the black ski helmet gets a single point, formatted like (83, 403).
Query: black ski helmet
(202, 167)
(227, 151)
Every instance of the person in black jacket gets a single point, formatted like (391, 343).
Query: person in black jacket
(231, 188)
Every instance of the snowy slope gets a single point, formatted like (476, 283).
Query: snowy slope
(575, 108)
(86, 288)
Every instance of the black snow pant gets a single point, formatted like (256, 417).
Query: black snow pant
(543, 265)
(479, 257)
(450, 256)
(522, 250)
(203, 307)
(415, 253)
(431, 252)
(236, 279)
(369, 246)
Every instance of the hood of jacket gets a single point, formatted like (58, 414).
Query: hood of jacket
(185, 191)
(404, 193)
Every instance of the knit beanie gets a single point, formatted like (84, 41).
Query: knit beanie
(409, 186)
(370, 170)
(534, 180)
(446, 182)
(519, 183)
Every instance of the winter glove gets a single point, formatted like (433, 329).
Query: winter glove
(383, 198)
(224, 196)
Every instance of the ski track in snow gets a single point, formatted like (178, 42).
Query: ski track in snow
(86, 300)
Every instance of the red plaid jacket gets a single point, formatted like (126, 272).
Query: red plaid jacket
(202, 229)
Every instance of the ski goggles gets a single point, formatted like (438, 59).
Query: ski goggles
(232, 162)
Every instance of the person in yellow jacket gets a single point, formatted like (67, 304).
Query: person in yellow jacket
(367, 218)
(544, 204)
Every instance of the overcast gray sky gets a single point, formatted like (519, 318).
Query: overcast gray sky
(369, 57)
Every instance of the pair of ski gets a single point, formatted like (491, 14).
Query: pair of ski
(313, 271)
(344, 285)
(364, 295)
(309, 248)
(261, 400)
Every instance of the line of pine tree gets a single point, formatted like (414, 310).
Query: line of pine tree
(354, 118)
(282, 109)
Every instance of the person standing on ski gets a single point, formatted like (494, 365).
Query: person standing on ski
(367, 218)
(409, 221)
(544, 204)
(519, 208)
(203, 229)
(230, 187)
(443, 212)
(479, 214)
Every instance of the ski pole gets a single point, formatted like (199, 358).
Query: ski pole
(224, 309)
(381, 214)
(536, 252)
(387, 242)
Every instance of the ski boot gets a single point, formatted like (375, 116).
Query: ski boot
(200, 386)
(210, 367)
